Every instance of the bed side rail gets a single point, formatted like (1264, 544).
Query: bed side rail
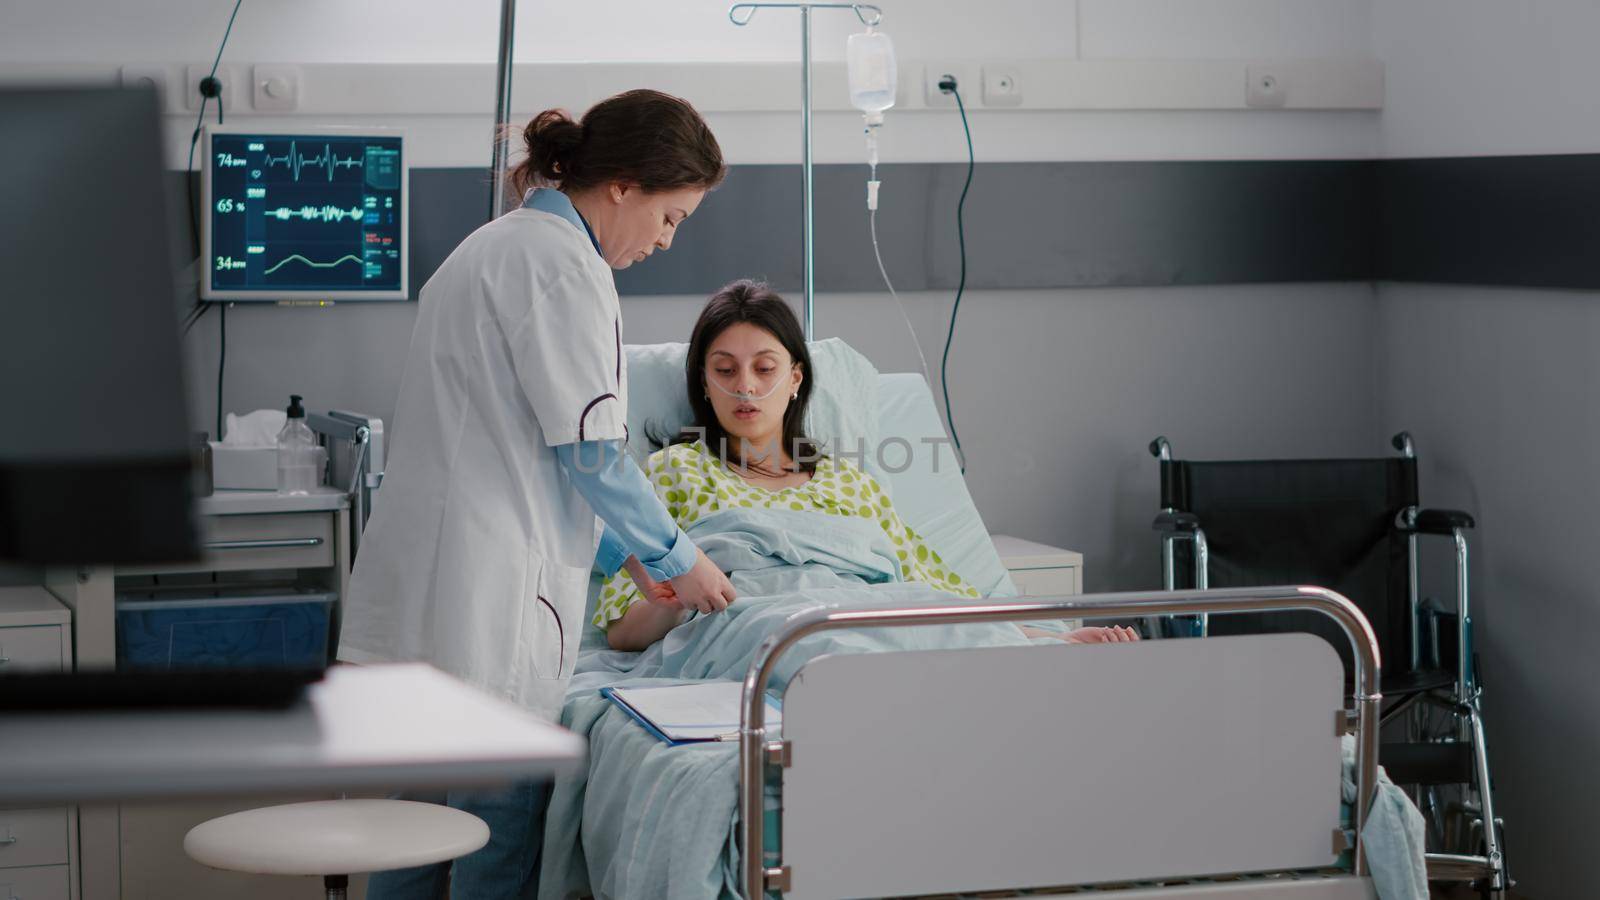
(756, 752)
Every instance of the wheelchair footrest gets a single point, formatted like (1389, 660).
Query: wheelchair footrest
(1427, 763)
(1451, 867)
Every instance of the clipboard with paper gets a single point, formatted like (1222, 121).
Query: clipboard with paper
(689, 713)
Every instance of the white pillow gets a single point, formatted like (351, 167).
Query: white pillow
(842, 416)
(930, 494)
(658, 407)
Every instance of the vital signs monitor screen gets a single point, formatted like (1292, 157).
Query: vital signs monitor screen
(306, 216)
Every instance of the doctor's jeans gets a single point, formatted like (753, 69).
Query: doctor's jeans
(507, 868)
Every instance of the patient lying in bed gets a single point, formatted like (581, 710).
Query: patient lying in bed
(796, 531)
(747, 375)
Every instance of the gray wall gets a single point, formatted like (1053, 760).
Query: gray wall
(1056, 392)
(1499, 385)
(1500, 389)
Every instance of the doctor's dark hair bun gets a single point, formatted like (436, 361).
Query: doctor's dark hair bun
(551, 140)
(642, 137)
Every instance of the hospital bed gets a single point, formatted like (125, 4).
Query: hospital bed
(1192, 769)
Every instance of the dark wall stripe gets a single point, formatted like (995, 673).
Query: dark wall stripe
(1028, 225)
(1493, 220)
(1507, 220)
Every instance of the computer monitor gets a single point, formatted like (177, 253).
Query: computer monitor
(95, 445)
(304, 215)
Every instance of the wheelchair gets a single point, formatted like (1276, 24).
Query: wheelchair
(1353, 526)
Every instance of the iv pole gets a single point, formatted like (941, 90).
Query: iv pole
(502, 108)
(749, 9)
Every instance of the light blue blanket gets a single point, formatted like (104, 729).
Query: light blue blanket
(649, 820)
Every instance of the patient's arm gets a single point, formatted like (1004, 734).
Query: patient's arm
(654, 611)
(642, 625)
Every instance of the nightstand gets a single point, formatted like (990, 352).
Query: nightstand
(1040, 570)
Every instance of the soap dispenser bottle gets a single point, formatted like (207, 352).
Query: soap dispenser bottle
(298, 453)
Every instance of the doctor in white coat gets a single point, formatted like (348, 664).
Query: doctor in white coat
(508, 442)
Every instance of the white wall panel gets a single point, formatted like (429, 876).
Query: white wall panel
(1178, 29)
(1106, 109)
(1316, 29)
(466, 30)
(427, 66)
(1483, 77)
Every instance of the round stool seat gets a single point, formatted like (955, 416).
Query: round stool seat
(335, 837)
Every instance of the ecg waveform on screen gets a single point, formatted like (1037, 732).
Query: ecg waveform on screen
(315, 265)
(295, 161)
(318, 213)
(299, 213)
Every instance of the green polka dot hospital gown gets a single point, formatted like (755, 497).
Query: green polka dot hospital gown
(693, 482)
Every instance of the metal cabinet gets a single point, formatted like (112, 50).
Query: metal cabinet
(33, 837)
(248, 537)
(37, 883)
(34, 648)
(38, 846)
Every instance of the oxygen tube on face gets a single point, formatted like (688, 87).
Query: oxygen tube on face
(747, 396)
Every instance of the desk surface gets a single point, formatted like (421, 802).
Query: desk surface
(361, 728)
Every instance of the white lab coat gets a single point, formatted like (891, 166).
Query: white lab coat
(478, 552)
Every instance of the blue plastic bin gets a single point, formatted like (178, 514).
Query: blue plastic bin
(239, 629)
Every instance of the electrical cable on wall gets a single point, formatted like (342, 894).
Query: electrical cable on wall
(949, 86)
(209, 87)
(222, 361)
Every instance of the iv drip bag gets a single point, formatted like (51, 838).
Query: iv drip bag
(869, 57)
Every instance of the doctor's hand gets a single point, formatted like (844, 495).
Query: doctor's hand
(658, 593)
(704, 588)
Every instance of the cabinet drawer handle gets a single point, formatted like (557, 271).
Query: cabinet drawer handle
(4, 660)
(263, 545)
(8, 840)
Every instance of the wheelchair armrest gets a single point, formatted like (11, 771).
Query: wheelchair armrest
(1176, 522)
(1441, 521)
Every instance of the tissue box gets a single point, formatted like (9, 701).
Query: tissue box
(236, 468)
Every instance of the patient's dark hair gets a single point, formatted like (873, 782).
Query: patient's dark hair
(756, 303)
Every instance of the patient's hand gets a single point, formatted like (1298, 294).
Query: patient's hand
(1095, 634)
(659, 593)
